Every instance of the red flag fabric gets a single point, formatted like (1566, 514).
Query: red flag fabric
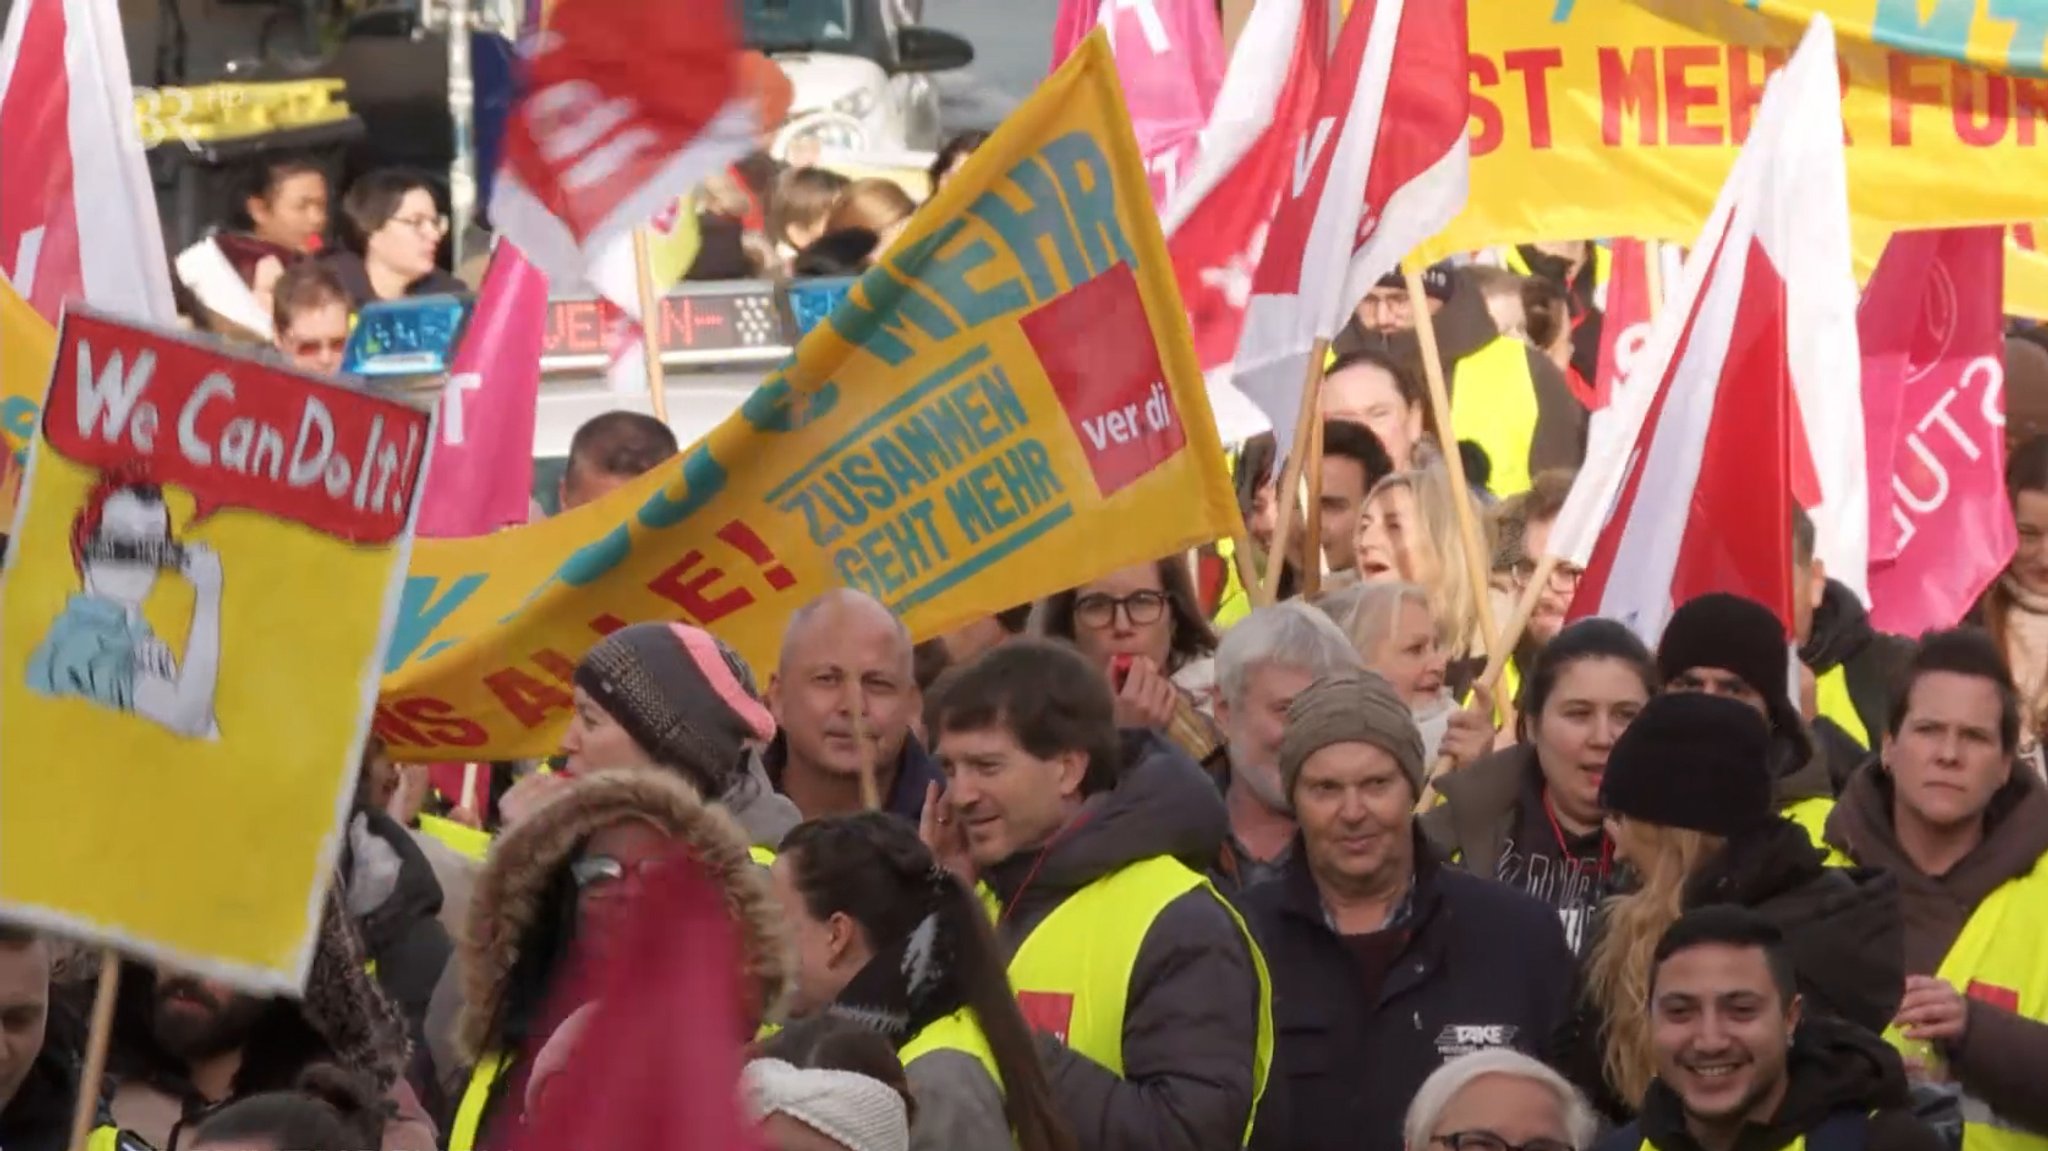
(1933, 347)
(1626, 324)
(1170, 59)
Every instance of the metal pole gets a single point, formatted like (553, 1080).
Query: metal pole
(462, 112)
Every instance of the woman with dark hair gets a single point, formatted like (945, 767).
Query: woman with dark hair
(952, 154)
(2015, 609)
(392, 228)
(1144, 626)
(1529, 815)
(287, 204)
(887, 938)
(330, 1109)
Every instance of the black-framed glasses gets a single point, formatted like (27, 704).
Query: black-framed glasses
(1097, 609)
(1488, 1141)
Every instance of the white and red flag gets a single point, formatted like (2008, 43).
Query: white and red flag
(1382, 167)
(72, 153)
(1693, 494)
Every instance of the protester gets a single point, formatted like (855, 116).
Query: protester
(1372, 387)
(1353, 464)
(966, 643)
(609, 451)
(287, 204)
(1742, 1064)
(844, 696)
(952, 154)
(1721, 644)
(2026, 389)
(1385, 962)
(804, 200)
(41, 1055)
(873, 205)
(1395, 632)
(1530, 815)
(2015, 609)
(392, 228)
(1141, 980)
(819, 1110)
(848, 252)
(329, 1109)
(1579, 269)
(1852, 664)
(1261, 665)
(183, 1046)
(1142, 627)
(544, 898)
(1409, 530)
(1548, 328)
(1522, 525)
(1688, 796)
(1966, 835)
(311, 315)
(890, 940)
(1496, 1099)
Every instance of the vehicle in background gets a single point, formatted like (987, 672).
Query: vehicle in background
(861, 70)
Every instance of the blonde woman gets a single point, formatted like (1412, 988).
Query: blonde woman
(1409, 531)
(1687, 791)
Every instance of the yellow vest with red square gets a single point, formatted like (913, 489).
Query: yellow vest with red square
(1072, 974)
(1493, 404)
(2001, 958)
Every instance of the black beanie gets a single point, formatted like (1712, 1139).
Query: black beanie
(1693, 761)
(1739, 635)
(1436, 281)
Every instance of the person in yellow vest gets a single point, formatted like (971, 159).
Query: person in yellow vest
(1853, 664)
(1579, 268)
(1149, 997)
(1741, 1064)
(1965, 833)
(888, 939)
(1386, 963)
(1722, 644)
(543, 893)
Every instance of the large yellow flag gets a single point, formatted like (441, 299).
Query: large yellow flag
(27, 346)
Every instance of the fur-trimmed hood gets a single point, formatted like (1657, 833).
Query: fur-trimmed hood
(514, 891)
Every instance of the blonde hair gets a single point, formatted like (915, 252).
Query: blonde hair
(1618, 972)
(1371, 618)
(1451, 595)
(874, 204)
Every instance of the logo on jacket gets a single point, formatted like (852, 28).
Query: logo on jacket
(1047, 1012)
(1464, 1038)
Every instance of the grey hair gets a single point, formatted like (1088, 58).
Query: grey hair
(1290, 634)
(1444, 1084)
(1372, 614)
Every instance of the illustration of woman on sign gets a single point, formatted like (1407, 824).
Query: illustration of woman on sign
(100, 647)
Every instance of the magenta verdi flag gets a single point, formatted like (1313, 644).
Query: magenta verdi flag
(1169, 55)
(1933, 364)
(481, 475)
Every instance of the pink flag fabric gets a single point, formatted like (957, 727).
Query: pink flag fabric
(482, 470)
(67, 114)
(1169, 55)
(1383, 166)
(1933, 348)
(1701, 484)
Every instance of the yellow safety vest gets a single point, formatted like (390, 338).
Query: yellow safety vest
(1493, 404)
(961, 1032)
(469, 1115)
(1831, 696)
(1798, 1144)
(1812, 817)
(465, 840)
(2003, 951)
(1083, 954)
(1234, 604)
(761, 855)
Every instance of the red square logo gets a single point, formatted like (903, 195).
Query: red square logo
(1096, 346)
(2003, 998)
(1048, 1012)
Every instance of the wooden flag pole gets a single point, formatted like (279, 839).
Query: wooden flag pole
(870, 789)
(1312, 500)
(650, 322)
(1476, 561)
(86, 1109)
(1497, 663)
(1305, 428)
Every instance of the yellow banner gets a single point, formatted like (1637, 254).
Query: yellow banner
(1008, 405)
(1613, 118)
(2001, 37)
(203, 569)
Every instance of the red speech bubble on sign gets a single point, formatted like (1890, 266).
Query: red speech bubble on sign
(234, 431)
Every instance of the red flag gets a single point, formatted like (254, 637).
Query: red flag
(1626, 326)
(1933, 348)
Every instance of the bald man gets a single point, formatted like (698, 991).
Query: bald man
(843, 655)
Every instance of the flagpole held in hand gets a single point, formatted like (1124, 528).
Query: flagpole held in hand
(870, 791)
(1497, 664)
(86, 1109)
(650, 322)
(1476, 559)
(1305, 428)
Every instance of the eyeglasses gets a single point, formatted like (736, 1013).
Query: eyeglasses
(1563, 577)
(600, 875)
(426, 225)
(1488, 1141)
(332, 345)
(1140, 607)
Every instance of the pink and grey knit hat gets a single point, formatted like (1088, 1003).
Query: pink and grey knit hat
(684, 697)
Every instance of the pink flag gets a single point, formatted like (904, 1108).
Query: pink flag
(1382, 167)
(1700, 481)
(1933, 361)
(1169, 55)
(1626, 326)
(481, 474)
(68, 116)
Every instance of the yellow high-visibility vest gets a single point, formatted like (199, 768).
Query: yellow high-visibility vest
(1081, 958)
(2001, 957)
(1812, 817)
(1832, 699)
(465, 840)
(1493, 404)
(1235, 603)
(469, 1115)
(960, 1031)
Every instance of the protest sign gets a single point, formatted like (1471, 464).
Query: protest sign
(2004, 38)
(1648, 103)
(1007, 405)
(205, 562)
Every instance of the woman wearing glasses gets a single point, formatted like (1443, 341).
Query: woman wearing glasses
(391, 231)
(1497, 1100)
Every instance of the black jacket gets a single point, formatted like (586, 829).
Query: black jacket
(1193, 1007)
(1483, 965)
(390, 891)
(38, 1117)
(1871, 662)
(1837, 1072)
(355, 278)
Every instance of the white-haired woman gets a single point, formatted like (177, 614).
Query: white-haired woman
(1497, 1100)
(1396, 633)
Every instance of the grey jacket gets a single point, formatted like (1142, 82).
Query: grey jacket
(958, 1105)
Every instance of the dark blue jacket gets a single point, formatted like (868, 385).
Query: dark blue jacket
(1484, 965)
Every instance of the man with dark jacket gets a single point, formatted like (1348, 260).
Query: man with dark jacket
(1853, 664)
(1141, 981)
(41, 1046)
(1738, 1069)
(1385, 961)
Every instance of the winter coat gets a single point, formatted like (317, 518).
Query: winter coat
(390, 890)
(1483, 966)
(1190, 1022)
(1871, 661)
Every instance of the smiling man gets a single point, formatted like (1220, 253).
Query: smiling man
(1737, 1066)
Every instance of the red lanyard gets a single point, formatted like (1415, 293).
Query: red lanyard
(1564, 848)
